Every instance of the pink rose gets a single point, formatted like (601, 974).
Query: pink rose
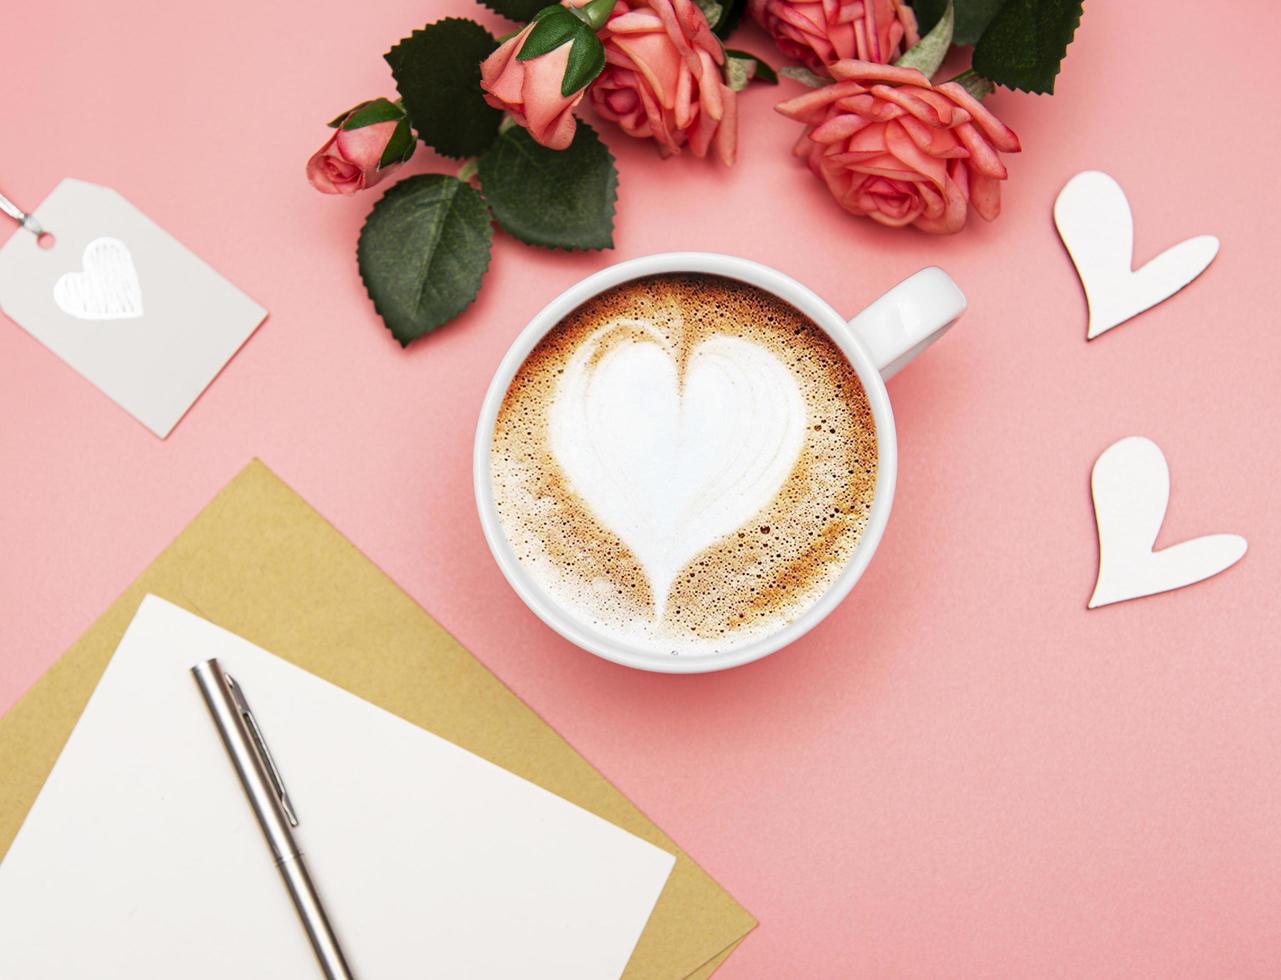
(662, 78)
(894, 148)
(368, 143)
(820, 32)
(531, 90)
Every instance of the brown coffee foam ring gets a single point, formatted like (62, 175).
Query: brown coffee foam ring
(782, 560)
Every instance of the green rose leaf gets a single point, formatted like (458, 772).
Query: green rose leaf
(437, 72)
(553, 198)
(423, 252)
(722, 15)
(743, 67)
(521, 10)
(730, 15)
(1026, 42)
(927, 13)
(928, 53)
(972, 17)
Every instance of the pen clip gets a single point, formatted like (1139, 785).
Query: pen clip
(260, 746)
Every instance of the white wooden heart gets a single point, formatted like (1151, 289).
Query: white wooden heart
(672, 462)
(106, 289)
(1095, 223)
(1131, 485)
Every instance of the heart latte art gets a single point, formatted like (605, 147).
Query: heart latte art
(671, 465)
(685, 463)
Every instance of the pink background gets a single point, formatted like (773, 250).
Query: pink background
(962, 771)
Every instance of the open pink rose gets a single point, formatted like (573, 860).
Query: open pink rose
(894, 148)
(662, 78)
(369, 142)
(530, 90)
(820, 32)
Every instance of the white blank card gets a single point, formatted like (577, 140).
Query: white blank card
(141, 857)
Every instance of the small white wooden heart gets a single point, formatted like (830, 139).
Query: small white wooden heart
(106, 289)
(1095, 223)
(672, 462)
(1131, 485)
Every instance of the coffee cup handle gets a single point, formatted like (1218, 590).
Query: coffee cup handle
(909, 318)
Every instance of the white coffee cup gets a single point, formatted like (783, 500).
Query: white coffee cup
(879, 342)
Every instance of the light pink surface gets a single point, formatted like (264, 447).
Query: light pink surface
(962, 772)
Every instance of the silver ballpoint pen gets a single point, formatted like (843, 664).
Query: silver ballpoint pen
(265, 791)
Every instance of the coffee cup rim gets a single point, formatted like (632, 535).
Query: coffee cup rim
(731, 267)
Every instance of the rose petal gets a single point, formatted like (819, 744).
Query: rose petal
(635, 22)
(940, 143)
(983, 158)
(907, 18)
(727, 131)
(497, 62)
(838, 128)
(952, 219)
(852, 69)
(810, 104)
(657, 62)
(1002, 137)
(901, 146)
(331, 174)
(710, 85)
(543, 102)
(907, 100)
(985, 195)
(364, 146)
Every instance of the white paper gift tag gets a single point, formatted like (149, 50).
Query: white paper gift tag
(124, 303)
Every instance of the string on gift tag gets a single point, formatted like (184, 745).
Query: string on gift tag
(28, 221)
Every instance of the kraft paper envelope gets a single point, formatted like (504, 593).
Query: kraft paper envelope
(261, 563)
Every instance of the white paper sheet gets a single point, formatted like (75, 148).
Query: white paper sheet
(142, 859)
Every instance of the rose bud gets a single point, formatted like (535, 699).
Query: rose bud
(539, 75)
(368, 142)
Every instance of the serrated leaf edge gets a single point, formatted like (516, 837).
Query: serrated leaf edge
(489, 258)
(414, 33)
(1080, 12)
(612, 205)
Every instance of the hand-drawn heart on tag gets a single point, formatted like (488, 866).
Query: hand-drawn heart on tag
(1131, 485)
(1095, 223)
(671, 461)
(107, 289)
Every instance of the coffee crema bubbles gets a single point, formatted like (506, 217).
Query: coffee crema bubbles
(685, 463)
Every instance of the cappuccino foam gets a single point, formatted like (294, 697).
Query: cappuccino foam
(684, 463)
